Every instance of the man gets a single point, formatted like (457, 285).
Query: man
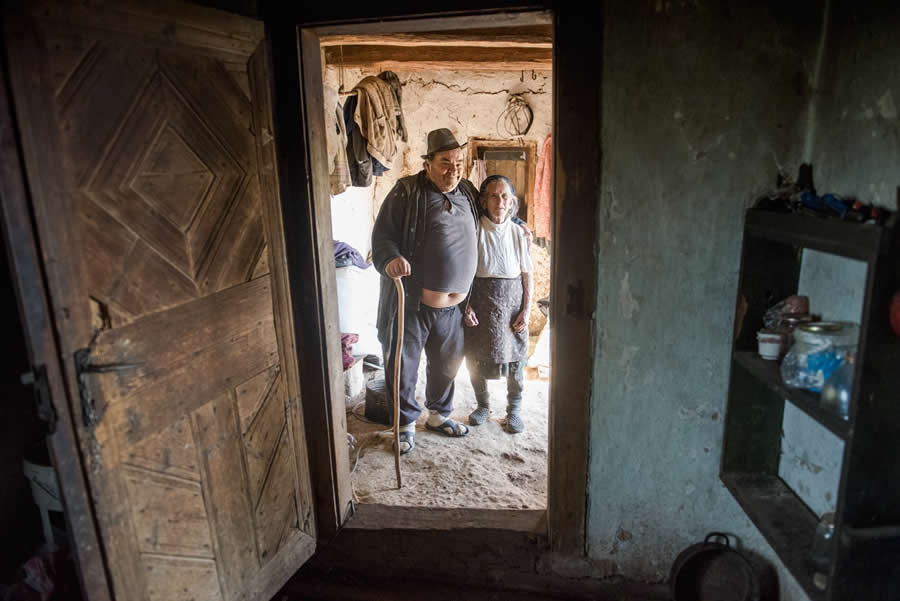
(425, 232)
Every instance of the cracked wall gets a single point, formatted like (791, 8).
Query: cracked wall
(466, 102)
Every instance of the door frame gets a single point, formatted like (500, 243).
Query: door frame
(30, 282)
(299, 122)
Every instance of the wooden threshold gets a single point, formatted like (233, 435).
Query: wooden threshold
(378, 516)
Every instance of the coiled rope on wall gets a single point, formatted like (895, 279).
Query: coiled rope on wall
(516, 118)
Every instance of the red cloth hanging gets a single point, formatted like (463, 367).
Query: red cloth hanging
(543, 191)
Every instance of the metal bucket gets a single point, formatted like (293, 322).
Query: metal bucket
(713, 571)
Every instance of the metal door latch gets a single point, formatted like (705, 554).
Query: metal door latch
(92, 414)
(37, 378)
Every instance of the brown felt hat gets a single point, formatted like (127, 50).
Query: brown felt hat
(440, 140)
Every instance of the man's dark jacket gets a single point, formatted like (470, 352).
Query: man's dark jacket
(400, 231)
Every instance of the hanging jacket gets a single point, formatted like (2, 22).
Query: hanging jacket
(360, 163)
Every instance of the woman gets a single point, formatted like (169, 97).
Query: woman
(497, 314)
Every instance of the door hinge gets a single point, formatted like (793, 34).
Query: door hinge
(37, 378)
(91, 412)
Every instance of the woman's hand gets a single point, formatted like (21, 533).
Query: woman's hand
(521, 322)
(470, 320)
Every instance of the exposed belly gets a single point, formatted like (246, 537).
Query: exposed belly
(439, 300)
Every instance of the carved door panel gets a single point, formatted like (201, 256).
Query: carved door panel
(148, 149)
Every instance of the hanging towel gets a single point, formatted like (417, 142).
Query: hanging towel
(543, 191)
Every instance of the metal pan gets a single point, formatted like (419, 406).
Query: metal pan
(713, 571)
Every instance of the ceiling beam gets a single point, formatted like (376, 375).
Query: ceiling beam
(535, 36)
(405, 58)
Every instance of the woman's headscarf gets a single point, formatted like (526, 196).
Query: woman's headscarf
(482, 194)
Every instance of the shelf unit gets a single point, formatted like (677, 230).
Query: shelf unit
(866, 557)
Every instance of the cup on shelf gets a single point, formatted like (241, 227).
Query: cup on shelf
(771, 344)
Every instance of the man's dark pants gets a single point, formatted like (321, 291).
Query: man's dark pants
(440, 333)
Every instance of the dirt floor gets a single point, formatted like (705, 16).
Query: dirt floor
(488, 469)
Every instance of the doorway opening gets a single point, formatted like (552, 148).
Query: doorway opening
(470, 81)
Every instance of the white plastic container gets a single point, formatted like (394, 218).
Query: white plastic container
(770, 344)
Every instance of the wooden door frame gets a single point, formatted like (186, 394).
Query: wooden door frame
(299, 115)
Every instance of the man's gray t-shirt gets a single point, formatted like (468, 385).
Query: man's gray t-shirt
(449, 254)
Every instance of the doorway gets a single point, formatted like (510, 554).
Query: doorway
(490, 468)
(575, 288)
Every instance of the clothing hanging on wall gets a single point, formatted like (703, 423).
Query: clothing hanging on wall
(543, 187)
(336, 140)
(376, 116)
(361, 164)
(397, 88)
(478, 173)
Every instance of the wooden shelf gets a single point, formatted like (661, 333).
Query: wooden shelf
(865, 557)
(808, 402)
(784, 520)
(853, 240)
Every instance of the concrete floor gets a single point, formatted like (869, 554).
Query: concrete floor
(487, 469)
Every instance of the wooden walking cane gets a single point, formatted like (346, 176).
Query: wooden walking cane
(398, 359)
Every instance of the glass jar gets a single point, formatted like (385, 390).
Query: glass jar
(818, 350)
(791, 321)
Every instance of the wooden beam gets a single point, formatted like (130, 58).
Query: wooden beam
(534, 36)
(376, 516)
(397, 19)
(441, 57)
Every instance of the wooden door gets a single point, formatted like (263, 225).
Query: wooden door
(147, 141)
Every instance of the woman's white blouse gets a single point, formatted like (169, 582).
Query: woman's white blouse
(502, 250)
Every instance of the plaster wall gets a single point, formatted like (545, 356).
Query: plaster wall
(700, 110)
(855, 151)
(467, 102)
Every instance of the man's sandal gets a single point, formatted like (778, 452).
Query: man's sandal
(407, 442)
(449, 428)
